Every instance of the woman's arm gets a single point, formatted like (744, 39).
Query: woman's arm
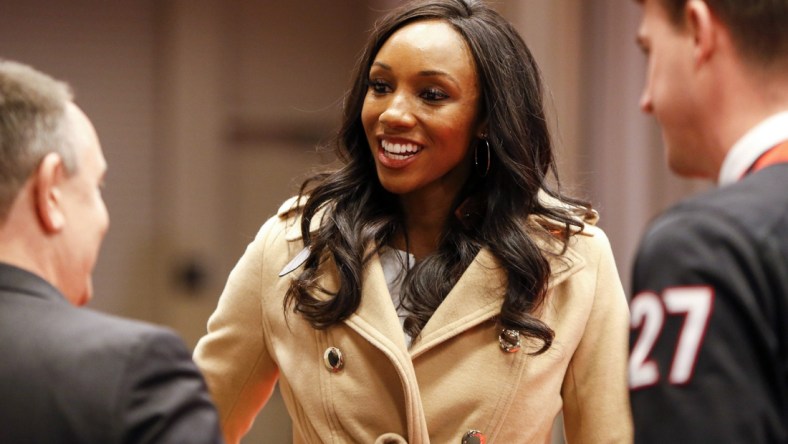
(234, 355)
(596, 398)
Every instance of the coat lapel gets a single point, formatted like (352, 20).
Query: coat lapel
(474, 299)
(478, 295)
(376, 315)
(376, 321)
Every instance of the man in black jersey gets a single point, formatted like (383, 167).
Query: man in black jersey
(709, 337)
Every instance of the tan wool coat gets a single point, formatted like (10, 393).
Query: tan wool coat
(455, 378)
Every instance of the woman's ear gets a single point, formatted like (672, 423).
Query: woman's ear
(48, 181)
(481, 130)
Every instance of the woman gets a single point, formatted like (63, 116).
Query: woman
(509, 303)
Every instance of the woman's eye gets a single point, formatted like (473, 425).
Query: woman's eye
(434, 95)
(379, 86)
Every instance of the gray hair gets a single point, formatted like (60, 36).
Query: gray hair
(32, 115)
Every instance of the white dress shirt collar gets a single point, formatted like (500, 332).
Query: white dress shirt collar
(752, 145)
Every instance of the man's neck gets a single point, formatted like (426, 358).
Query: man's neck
(739, 98)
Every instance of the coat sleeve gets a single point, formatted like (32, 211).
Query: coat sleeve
(164, 397)
(596, 400)
(234, 354)
(704, 344)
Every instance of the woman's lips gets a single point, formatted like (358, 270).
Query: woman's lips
(397, 154)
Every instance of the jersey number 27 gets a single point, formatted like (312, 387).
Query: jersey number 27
(648, 312)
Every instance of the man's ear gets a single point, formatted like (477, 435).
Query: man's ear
(49, 178)
(704, 29)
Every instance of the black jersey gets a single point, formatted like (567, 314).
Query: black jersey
(709, 317)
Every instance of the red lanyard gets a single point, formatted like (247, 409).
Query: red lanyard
(778, 154)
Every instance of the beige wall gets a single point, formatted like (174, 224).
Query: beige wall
(209, 112)
(106, 51)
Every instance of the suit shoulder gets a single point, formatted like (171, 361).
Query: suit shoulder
(121, 325)
(119, 338)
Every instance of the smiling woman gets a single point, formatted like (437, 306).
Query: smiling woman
(421, 114)
(435, 288)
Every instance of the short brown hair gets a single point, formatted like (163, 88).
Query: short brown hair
(759, 27)
(32, 110)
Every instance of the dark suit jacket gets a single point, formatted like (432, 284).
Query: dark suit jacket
(74, 375)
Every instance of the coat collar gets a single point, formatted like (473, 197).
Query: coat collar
(476, 297)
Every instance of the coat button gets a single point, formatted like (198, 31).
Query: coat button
(390, 438)
(333, 359)
(474, 437)
(510, 340)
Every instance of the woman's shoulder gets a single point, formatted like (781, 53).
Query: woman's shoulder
(286, 223)
(579, 223)
(279, 239)
(291, 207)
(289, 216)
(581, 213)
(585, 239)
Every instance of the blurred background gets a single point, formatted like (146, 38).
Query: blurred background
(210, 112)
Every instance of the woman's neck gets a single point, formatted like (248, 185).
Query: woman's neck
(425, 221)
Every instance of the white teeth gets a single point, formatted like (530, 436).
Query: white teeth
(399, 151)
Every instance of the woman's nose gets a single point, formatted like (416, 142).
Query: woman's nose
(398, 113)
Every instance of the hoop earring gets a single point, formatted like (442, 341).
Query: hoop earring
(476, 158)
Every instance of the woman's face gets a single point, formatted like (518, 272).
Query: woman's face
(421, 111)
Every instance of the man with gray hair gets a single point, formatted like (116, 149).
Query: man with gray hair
(70, 374)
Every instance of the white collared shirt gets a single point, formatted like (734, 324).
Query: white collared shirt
(752, 145)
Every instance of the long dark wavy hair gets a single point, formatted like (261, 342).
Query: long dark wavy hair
(360, 216)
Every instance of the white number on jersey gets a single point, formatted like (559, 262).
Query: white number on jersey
(648, 313)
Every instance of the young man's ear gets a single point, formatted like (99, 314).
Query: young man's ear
(704, 29)
(48, 181)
